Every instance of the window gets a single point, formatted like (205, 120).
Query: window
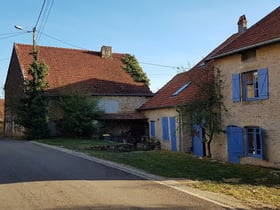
(181, 88)
(254, 87)
(251, 85)
(254, 142)
(165, 128)
(152, 128)
(248, 54)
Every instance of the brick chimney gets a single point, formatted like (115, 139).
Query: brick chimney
(242, 24)
(106, 52)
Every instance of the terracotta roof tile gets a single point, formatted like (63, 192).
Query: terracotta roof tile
(264, 31)
(164, 97)
(203, 71)
(86, 70)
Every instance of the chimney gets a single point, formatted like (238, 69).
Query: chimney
(242, 24)
(106, 52)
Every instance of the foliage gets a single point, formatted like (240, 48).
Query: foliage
(206, 109)
(132, 67)
(79, 114)
(32, 110)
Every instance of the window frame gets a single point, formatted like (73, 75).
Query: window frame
(240, 85)
(254, 84)
(255, 148)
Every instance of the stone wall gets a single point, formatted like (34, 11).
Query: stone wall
(262, 113)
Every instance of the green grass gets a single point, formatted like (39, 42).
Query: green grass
(256, 186)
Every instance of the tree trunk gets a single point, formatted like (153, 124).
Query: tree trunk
(208, 149)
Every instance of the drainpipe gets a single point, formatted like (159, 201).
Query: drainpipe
(180, 130)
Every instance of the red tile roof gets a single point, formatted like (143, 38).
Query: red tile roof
(266, 31)
(164, 98)
(82, 69)
(202, 72)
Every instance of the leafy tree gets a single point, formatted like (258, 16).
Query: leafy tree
(132, 67)
(206, 109)
(32, 110)
(79, 114)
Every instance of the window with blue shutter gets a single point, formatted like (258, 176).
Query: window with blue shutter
(152, 128)
(236, 96)
(254, 140)
(255, 85)
(165, 128)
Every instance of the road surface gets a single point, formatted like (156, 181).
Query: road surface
(36, 177)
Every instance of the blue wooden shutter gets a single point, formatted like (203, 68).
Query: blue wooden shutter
(165, 128)
(153, 128)
(263, 83)
(235, 143)
(236, 88)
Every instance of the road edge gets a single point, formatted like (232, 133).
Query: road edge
(216, 198)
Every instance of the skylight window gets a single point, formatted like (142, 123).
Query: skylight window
(182, 88)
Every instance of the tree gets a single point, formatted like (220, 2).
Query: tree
(132, 67)
(79, 114)
(206, 109)
(32, 110)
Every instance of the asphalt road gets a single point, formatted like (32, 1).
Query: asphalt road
(35, 177)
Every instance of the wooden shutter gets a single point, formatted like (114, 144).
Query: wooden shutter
(236, 88)
(153, 128)
(263, 83)
(165, 128)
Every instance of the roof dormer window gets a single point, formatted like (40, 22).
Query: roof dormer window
(183, 87)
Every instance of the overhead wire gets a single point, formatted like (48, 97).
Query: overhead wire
(40, 13)
(12, 35)
(45, 18)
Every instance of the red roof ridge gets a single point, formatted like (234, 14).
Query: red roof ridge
(83, 69)
(254, 36)
(68, 49)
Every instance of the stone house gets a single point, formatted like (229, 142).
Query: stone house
(167, 119)
(249, 67)
(99, 74)
(248, 62)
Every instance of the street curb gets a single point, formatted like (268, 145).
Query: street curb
(216, 198)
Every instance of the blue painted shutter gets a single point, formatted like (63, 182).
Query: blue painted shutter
(236, 88)
(165, 128)
(172, 121)
(263, 83)
(153, 128)
(235, 143)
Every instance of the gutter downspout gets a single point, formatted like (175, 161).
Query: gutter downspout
(181, 147)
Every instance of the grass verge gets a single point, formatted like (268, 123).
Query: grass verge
(256, 186)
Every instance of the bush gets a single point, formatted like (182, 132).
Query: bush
(79, 114)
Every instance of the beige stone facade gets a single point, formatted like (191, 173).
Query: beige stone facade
(183, 132)
(261, 113)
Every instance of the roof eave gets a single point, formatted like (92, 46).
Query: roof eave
(271, 41)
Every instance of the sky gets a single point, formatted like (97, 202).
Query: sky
(166, 36)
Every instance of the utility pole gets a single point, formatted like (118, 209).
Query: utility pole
(35, 53)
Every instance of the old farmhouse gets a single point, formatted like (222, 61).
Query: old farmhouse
(99, 74)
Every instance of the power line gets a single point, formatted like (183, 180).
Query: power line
(45, 18)
(64, 42)
(40, 14)
(160, 65)
(76, 46)
(14, 34)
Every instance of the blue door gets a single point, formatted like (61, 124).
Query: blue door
(235, 143)
(197, 141)
(172, 122)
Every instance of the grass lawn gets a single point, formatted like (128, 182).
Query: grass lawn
(256, 186)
